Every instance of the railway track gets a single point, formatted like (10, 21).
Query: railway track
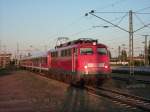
(134, 101)
(116, 95)
(127, 80)
(143, 79)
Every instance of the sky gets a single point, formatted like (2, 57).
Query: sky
(34, 25)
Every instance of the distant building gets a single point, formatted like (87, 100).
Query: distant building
(138, 61)
(5, 59)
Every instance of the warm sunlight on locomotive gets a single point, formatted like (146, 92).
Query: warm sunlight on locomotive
(84, 57)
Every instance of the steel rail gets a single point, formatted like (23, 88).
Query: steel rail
(125, 98)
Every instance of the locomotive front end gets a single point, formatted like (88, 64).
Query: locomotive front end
(93, 59)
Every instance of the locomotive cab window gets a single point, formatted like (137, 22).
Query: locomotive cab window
(75, 51)
(86, 51)
(102, 51)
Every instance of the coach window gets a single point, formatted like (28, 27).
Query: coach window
(44, 60)
(86, 51)
(102, 51)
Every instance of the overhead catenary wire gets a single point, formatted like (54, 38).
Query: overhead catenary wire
(141, 27)
(137, 40)
(141, 13)
(93, 11)
(87, 29)
(140, 20)
(125, 40)
(111, 4)
(79, 32)
(122, 18)
(56, 35)
(109, 12)
(108, 21)
(90, 29)
(145, 8)
(117, 18)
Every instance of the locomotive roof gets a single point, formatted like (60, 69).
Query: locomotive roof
(78, 41)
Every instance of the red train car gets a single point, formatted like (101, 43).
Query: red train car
(78, 59)
(37, 61)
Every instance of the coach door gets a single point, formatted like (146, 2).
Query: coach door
(74, 59)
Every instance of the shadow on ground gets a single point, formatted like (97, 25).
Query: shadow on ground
(76, 100)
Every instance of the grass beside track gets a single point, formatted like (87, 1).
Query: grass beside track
(8, 70)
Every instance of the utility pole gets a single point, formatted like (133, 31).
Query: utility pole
(131, 50)
(119, 53)
(130, 31)
(17, 49)
(149, 52)
(146, 50)
(17, 57)
(124, 54)
(4, 49)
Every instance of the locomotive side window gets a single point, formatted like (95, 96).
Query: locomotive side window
(54, 54)
(102, 51)
(63, 53)
(76, 51)
(69, 52)
(66, 52)
(86, 51)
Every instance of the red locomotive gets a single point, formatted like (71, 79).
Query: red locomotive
(72, 61)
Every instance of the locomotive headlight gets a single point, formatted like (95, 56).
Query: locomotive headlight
(94, 43)
(106, 66)
(86, 70)
(90, 64)
(101, 64)
(85, 66)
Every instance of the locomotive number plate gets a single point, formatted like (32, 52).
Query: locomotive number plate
(95, 64)
(101, 64)
(91, 64)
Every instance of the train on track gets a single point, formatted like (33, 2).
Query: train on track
(78, 61)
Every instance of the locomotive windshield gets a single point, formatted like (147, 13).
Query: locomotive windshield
(86, 51)
(102, 51)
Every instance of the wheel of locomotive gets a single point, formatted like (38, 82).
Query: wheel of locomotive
(98, 82)
(67, 78)
(82, 82)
